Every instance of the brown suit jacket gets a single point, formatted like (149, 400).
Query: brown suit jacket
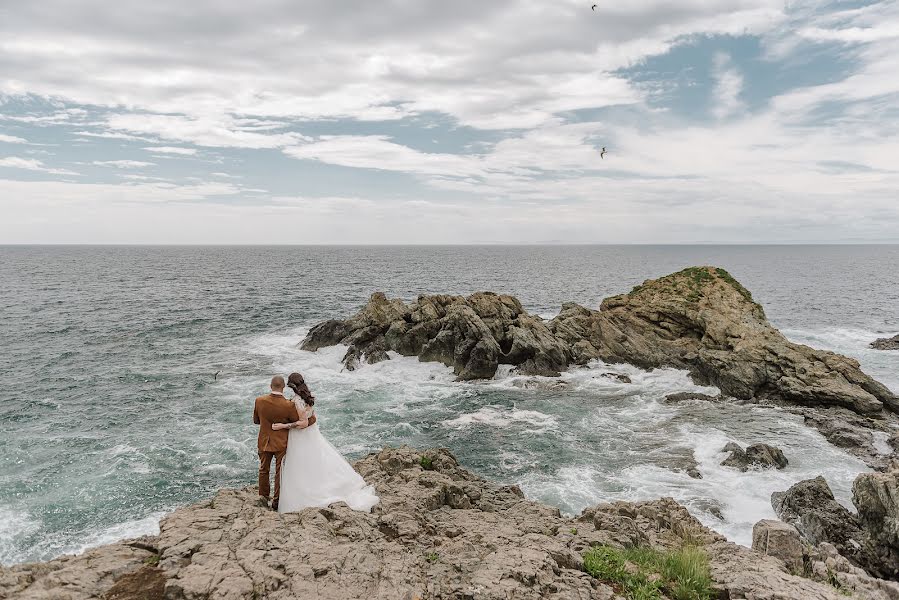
(273, 409)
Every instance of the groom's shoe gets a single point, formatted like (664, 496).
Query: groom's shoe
(275, 506)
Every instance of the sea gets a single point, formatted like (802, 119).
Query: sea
(128, 373)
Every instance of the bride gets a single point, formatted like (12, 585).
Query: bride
(314, 472)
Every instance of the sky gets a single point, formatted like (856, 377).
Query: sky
(419, 122)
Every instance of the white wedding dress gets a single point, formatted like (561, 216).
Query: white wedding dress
(315, 474)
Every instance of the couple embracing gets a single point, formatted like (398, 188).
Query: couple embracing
(309, 471)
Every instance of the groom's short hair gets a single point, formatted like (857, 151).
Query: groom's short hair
(277, 382)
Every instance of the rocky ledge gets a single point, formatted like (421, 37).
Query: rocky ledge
(699, 319)
(886, 343)
(439, 532)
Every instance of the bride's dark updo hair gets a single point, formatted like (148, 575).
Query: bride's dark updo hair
(296, 382)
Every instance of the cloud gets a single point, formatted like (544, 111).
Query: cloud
(11, 139)
(221, 131)
(472, 122)
(378, 152)
(123, 164)
(32, 164)
(511, 64)
(172, 150)
(728, 86)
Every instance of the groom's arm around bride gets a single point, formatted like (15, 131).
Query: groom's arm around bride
(272, 443)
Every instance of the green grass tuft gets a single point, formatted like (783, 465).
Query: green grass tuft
(426, 463)
(647, 574)
(152, 560)
(432, 557)
(573, 531)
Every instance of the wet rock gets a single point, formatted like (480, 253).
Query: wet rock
(679, 397)
(700, 319)
(779, 540)
(620, 377)
(681, 459)
(758, 455)
(886, 343)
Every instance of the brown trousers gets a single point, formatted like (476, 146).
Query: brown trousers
(265, 466)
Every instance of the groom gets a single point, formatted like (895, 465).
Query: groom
(273, 408)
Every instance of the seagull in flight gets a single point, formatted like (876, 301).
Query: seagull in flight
(602, 154)
(593, 7)
(216, 376)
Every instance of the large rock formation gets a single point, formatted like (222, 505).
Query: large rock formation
(438, 533)
(699, 319)
(869, 539)
(886, 343)
(876, 497)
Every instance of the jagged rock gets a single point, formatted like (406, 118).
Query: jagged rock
(679, 397)
(703, 320)
(779, 540)
(621, 377)
(681, 459)
(82, 577)
(876, 497)
(824, 563)
(700, 319)
(439, 533)
(757, 455)
(886, 343)
(893, 442)
(811, 507)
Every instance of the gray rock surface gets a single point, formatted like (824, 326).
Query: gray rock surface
(891, 343)
(876, 497)
(777, 539)
(679, 397)
(86, 576)
(762, 456)
(699, 319)
(439, 533)
(869, 539)
(810, 506)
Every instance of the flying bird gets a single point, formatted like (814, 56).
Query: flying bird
(602, 154)
(593, 7)
(216, 376)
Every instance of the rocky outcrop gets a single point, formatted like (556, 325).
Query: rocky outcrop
(761, 456)
(472, 335)
(700, 319)
(869, 539)
(439, 532)
(679, 397)
(810, 506)
(876, 497)
(89, 575)
(886, 343)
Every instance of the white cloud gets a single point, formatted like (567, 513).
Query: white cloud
(32, 164)
(222, 131)
(123, 164)
(172, 150)
(11, 139)
(512, 64)
(728, 86)
(528, 75)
